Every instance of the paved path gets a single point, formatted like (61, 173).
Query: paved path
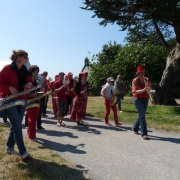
(114, 153)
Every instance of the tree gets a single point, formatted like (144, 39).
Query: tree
(102, 66)
(124, 61)
(147, 20)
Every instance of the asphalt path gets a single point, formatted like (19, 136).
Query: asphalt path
(113, 153)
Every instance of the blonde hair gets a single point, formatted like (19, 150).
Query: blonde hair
(16, 53)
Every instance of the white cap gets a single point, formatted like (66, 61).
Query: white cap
(110, 79)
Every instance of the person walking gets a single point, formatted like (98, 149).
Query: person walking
(118, 85)
(80, 101)
(140, 87)
(108, 92)
(15, 78)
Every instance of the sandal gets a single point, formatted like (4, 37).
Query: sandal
(108, 124)
(59, 124)
(118, 124)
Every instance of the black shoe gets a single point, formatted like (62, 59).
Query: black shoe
(80, 123)
(40, 128)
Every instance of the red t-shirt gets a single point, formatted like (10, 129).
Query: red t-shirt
(137, 85)
(61, 95)
(8, 77)
(46, 85)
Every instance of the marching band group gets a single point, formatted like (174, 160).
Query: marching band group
(68, 95)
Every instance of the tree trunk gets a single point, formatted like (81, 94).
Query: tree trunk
(170, 77)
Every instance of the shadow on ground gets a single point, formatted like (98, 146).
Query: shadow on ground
(168, 139)
(41, 169)
(61, 147)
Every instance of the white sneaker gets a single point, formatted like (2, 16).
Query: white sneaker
(12, 151)
(25, 155)
(120, 111)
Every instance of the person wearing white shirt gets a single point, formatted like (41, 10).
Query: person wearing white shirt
(107, 93)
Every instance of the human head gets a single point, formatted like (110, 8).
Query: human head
(140, 70)
(110, 80)
(45, 73)
(118, 77)
(20, 57)
(83, 75)
(56, 77)
(61, 76)
(70, 75)
(34, 69)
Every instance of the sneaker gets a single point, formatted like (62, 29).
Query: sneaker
(136, 132)
(145, 137)
(12, 151)
(45, 115)
(25, 155)
(40, 128)
(120, 111)
(6, 123)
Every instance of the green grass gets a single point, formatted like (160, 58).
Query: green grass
(43, 164)
(158, 117)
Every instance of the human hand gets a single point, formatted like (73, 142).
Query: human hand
(28, 86)
(13, 91)
(33, 95)
(146, 89)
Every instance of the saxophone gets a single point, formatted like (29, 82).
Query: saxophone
(147, 85)
(30, 101)
(33, 105)
(114, 98)
(10, 101)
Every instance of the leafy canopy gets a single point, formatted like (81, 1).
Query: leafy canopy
(146, 20)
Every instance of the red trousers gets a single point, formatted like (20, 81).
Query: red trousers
(55, 108)
(108, 108)
(32, 114)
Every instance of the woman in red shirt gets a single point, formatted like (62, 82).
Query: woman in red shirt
(80, 101)
(15, 78)
(140, 88)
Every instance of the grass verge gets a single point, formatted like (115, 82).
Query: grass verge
(43, 164)
(158, 117)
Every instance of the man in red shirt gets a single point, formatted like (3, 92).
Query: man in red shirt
(46, 88)
(54, 104)
(60, 89)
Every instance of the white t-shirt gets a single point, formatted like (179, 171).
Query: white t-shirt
(109, 90)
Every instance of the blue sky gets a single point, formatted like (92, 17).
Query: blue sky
(57, 34)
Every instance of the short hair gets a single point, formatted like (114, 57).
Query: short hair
(16, 53)
(33, 68)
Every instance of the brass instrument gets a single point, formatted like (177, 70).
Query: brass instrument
(114, 98)
(30, 101)
(11, 104)
(150, 93)
(33, 105)
(6, 102)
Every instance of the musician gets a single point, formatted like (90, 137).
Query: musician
(69, 97)
(107, 92)
(119, 86)
(15, 78)
(46, 88)
(140, 96)
(42, 104)
(33, 112)
(60, 90)
(54, 103)
(80, 101)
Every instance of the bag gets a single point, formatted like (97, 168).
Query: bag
(121, 91)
